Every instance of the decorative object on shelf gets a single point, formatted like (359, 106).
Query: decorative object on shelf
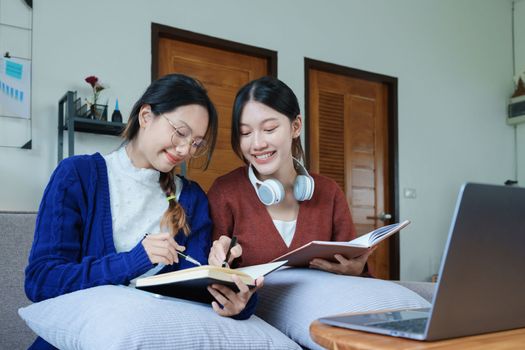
(516, 107)
(96, 111)
(70, 120)
(520, 88)
(116, 117)
(99, 112)
(519, 85)
(80, 109)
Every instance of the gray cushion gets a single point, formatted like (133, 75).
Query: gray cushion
(425, 289)
(291, 299)
(117, 317)
(16, 233)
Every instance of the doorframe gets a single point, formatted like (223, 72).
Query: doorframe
(162, 31)
(393, 153)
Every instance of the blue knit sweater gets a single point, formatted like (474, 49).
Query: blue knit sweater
(73, 246)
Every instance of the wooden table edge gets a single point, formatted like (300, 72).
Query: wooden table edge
(337, 338)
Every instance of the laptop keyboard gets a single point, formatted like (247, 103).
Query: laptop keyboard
(414, 325)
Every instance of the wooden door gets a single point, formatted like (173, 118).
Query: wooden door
(347, 135)
(223, 72)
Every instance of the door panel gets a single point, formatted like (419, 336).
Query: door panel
(331, 149)
(222, 72)
(348, 138)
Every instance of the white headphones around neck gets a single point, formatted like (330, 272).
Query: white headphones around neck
(271, 191)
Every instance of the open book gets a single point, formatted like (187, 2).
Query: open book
(302, 256)
(191, 283)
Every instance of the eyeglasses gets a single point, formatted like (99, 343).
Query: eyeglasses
(182, 136)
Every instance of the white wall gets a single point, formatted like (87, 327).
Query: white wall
(452, 58)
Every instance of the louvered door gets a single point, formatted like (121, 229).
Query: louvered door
(331, 136)
(348, 139)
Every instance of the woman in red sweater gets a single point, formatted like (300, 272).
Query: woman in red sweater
(272, 205)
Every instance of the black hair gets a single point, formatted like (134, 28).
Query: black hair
(165, 95)
(273, 93)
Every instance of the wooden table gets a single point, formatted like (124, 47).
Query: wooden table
(336, 338)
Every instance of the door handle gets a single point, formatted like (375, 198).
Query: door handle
(382, 216)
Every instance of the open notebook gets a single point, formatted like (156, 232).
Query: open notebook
(302, 256)
(192, 283)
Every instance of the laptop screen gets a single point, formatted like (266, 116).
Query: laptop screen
(482, 276)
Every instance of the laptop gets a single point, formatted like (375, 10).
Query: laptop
(481, 281)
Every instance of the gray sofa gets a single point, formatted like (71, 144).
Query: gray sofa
(16, 231)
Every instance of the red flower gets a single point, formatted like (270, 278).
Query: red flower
(96, 87)
(92, 80)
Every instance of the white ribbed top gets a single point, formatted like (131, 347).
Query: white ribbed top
(137, 200)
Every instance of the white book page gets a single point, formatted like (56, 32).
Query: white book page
(369, 239)
(363, 241)
(377, 235)
(255, 271)
(360, 240)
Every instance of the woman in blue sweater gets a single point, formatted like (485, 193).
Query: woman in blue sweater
(97, 211)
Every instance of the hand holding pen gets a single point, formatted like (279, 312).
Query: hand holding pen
(226, 262)
(163, 249)
(224, 250)
(189, 258)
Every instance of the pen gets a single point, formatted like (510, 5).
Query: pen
(189, 258)
(186, 257)
(233, 242)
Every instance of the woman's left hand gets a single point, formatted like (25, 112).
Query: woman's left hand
(232, 303)
(351, 267)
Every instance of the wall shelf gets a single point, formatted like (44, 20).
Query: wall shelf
(70, 121)
(96, 126)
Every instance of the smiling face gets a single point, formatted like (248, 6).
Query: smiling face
(266, 139)
(153, 146)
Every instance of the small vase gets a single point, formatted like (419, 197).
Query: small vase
(99, 112)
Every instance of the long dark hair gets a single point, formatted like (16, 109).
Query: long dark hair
(165, 95)
(273, 93)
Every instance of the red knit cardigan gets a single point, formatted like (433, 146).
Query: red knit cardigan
(236, 210)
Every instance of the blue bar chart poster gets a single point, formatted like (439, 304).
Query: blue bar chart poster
(15, 87)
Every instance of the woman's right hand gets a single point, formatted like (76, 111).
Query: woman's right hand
(219, 250)
(162, 248)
